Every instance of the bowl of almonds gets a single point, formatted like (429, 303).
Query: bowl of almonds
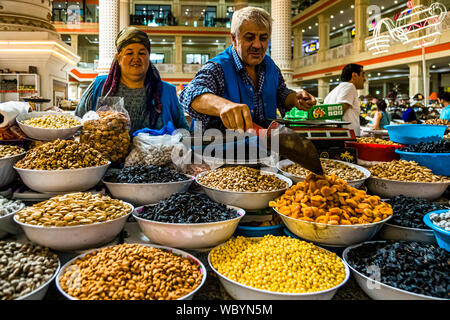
(48, 126)
(74, 221)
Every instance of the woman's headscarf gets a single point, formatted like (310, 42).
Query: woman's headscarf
(125, 37)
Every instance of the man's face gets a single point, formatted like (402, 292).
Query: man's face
(251, 43)
(358, 80)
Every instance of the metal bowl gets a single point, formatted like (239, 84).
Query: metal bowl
(43, 133)
(399, 233)
(189, 235)
(240, 291)
(67, 180)
(378, 290)
(75, 237)
(7, 173)
(353, 183)
(244, 200)
(177, 252)
(147, 193)
(332, 235)
(39, 293)
(390, 188)
(7, 224)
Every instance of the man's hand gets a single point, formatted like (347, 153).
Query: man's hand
(304, 100)
(236, 116)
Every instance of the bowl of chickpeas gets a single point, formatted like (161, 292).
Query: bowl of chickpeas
(9, 155)
(277, 268)
(48, 126)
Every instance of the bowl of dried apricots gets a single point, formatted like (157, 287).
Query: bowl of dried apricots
(327, 211)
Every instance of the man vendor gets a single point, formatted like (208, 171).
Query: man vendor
(242, 84)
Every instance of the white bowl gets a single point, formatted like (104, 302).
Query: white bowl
(378, 290)
(181, 253)
(332, 235)
(39, 293)
(79, 237)
(353, 183)
(399, 233)
(147, 193)
(7, 173)
(43, 133)
(7, 224)
(390, 188)
(189, 235)
(245, 200)
(240, 291)
(67, 180)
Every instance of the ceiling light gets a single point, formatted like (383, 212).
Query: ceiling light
(190, 40)
(317, 24)
(382, 7)
(309, 27)
(334, 28)
(164, 40)
(342, 11)
(341, 25)
(331, 16)
(303, 30)
(370, 75)
(337, 79)
(395, 1)
(433, 66)
(217, 40)
(378, 74)
(352, 6)
(350, 21)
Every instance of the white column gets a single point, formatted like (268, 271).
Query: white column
(74, 43)
(361, 30)
(124, 14)
(324, 36)
(178, 54)
(323, 87)
(415, 78)
(239, 4)
(176, 9)
(108, 30)
(282, 37)
(221, 9)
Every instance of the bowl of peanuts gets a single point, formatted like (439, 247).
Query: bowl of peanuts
(242, 187)
(354, 175)
(9, 155)
(48, 126)
(74, 221)
(407, 178)
(277, 268)
(327, 211)
(132, 272)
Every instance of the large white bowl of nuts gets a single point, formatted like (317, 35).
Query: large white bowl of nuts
(407, 178)
(62, 166)
(354, 175)
(74, 221)
(243, 187)
(7, 210)
(9, 155)
(49, 126)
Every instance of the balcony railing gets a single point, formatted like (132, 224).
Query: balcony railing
(165, 67)
(191, 68)
(339, 52)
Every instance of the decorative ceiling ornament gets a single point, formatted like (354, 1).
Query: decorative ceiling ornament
(418, 24)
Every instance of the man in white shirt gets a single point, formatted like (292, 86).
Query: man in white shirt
(352, 78)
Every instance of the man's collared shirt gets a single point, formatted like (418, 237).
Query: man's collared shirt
(211, 79)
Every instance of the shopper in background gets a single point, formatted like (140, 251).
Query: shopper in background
(381, 118)
(352, 78)
(444, 99)
(242, 84)
(409, 115)
(150, 102)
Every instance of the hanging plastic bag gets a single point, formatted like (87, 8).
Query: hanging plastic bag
(107, 129)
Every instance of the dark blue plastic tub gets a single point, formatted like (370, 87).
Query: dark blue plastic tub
(247, 231)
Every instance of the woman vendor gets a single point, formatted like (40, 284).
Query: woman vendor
(150, 102)
(382, 118)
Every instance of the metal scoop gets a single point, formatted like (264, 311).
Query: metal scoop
(291, 145)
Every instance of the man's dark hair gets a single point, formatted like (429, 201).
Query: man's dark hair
(444, 95)
(348, 70)
(381, 104)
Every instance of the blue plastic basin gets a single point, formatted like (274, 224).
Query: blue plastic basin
(442, 236)
(415, 133)
(248, 231)
(439, 163)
